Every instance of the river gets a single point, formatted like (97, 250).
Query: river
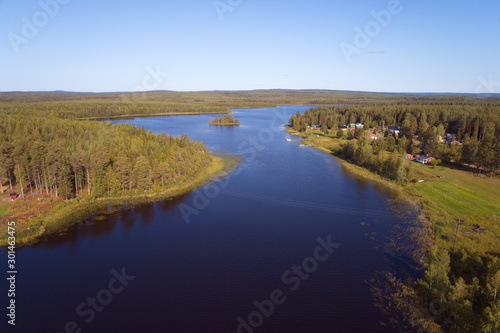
(285, 244)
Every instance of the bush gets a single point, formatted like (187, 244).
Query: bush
(435, 162)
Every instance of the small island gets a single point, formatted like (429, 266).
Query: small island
(227, 120)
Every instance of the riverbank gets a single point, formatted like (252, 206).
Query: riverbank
(39, 216)
(445, 194)
(417, 230)
(456, 239)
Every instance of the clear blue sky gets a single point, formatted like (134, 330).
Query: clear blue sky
(428, 46)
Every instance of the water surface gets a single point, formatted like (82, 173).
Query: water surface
(200, 262)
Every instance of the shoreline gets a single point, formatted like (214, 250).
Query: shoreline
(457, 219)
(398, 193)
(166, 114)
(73, 212)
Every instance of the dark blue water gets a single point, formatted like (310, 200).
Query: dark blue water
(198, 263)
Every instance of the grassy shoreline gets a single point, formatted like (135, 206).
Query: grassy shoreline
(454, 240)
(442, 201)
(67, 213)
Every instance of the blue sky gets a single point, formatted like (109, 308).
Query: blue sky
(423, 46)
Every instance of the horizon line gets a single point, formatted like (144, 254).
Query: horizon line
(250, 90)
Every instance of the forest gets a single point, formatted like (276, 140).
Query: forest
(69, 157)
(226, 120)
(475, 124)
(108, 105)
(459, 290)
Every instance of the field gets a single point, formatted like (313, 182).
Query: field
(5, 204)
(460, 195)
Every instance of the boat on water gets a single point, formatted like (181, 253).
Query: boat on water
(288, 139)
(302, 145)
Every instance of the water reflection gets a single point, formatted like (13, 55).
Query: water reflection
(105, 222)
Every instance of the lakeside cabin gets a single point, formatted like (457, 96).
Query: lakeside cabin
(424, 159)
(13, 196)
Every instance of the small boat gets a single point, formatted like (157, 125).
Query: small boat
(288, 139)
(302, 145)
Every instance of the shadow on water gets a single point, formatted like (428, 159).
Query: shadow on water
(404, 245)
(104, 222)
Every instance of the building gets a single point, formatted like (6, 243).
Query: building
(343, 128)
(393, 130)
(424, 159)
(13, 196)
(451, 139)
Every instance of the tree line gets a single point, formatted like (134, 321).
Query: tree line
(66, 158)
(88, 105)
(227, 119)
(361, 152)
(475, 124)
(459, 292)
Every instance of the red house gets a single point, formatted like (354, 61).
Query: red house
(13, 196)
(424, 159)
